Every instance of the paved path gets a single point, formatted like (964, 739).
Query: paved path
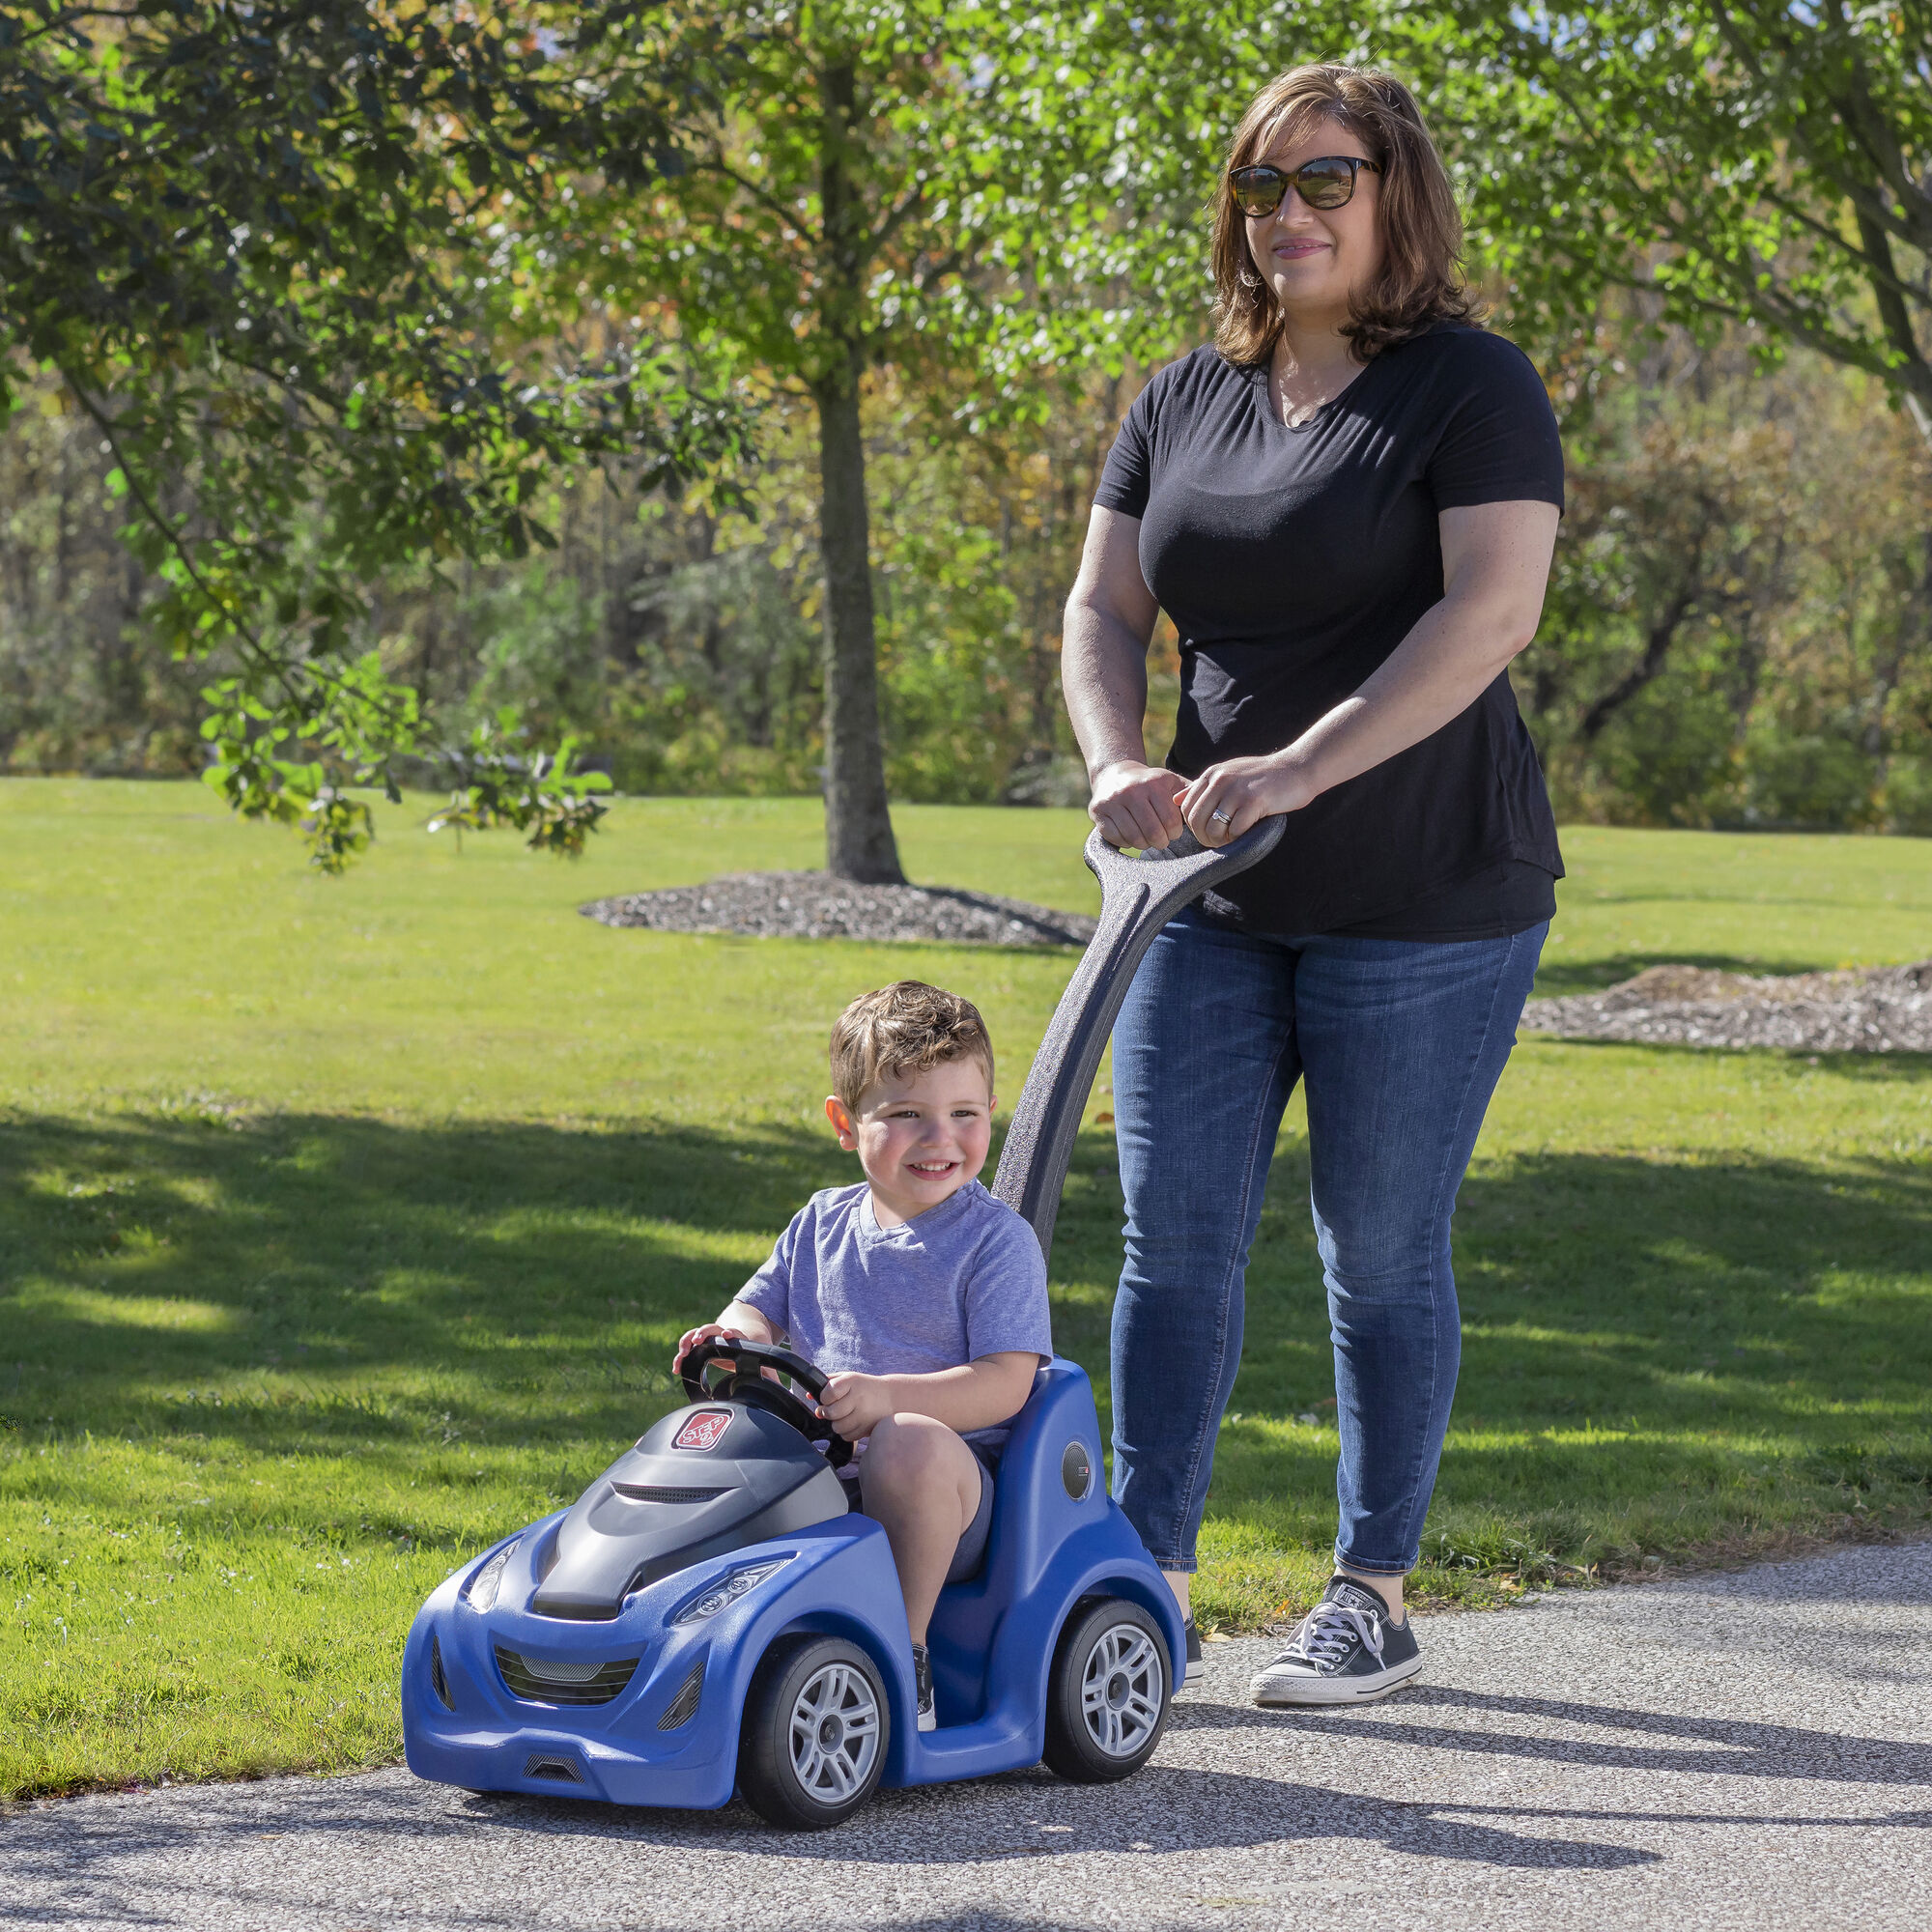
(1750, 1751)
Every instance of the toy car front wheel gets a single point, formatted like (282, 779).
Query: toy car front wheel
(814, 1741)
(1108, 1697)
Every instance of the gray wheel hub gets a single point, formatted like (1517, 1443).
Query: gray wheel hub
(1122, 1689)
(833, 1732)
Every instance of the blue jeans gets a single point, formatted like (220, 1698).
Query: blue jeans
(1402, 1044)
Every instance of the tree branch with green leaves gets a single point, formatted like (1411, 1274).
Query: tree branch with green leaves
(265, 248)
(1748, 166)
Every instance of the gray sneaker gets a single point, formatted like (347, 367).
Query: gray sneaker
(1344, 1650)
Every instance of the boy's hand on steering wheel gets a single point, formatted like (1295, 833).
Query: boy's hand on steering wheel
(694, 1336)
(855, 1404)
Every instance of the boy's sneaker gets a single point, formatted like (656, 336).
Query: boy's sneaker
(921, 1673)
(1196, 1670)
(1344, 1650)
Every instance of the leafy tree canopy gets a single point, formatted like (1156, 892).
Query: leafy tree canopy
(928, 184)
(258, 246)
(1765, 165)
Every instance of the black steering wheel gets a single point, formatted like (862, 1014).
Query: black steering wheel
(748, 1385)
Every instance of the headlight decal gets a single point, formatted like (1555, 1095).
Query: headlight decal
(726, 1590)
(481, 1594)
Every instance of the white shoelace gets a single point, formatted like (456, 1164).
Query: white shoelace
(1326, 1632)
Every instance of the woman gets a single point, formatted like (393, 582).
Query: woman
(1348, 506)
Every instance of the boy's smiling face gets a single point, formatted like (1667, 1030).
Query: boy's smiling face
(921, 1137)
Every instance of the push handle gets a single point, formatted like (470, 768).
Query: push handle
(1138, 896)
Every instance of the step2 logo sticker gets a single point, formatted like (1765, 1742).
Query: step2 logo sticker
(703, 1429)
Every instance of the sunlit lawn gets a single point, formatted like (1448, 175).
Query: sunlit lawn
(344, 1224)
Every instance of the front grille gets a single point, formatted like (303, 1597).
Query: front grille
(542, 1764)
(684, 1706)
(645, 1492)
(435, 1676)
(586, 1680)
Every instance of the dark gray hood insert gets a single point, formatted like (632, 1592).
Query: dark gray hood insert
(661, 1507)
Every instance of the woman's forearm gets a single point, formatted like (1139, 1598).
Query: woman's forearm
(1436, 674)
(1104, 674)
(1452, 656)
(1103, 645)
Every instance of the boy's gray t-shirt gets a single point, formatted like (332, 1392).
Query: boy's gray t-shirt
(963, 1280)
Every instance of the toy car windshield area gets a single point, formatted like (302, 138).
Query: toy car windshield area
(709, 1616)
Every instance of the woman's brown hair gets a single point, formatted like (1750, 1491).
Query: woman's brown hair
(1421, 231)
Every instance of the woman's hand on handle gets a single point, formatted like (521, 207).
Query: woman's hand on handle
(1227, 799)
(1136, 804)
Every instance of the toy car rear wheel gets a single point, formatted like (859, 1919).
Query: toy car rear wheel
(1107, 1699)
(817, 1725)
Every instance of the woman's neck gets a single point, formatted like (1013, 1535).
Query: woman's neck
(1315, 349)
(1309, 369)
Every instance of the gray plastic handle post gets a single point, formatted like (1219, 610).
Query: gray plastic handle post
(1138, 896)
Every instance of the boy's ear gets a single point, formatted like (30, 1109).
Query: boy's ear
(842, 1122)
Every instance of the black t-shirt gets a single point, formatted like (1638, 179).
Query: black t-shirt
(1292, 562)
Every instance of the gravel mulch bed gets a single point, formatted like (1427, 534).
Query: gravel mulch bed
(813, 905)
(1881, 1009)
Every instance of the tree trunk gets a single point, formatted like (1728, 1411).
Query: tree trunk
(1657, 644)
(858, 841)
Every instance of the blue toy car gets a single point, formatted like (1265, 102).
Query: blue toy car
(708, 1617)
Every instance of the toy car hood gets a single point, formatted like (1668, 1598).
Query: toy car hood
(703, 1481)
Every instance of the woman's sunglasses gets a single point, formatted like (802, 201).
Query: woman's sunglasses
(1327, 183)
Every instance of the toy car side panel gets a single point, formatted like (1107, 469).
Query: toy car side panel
(1106, 1559)
(1054, 1539)
(1034, 1513)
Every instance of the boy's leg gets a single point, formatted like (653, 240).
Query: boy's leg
(921, 1486)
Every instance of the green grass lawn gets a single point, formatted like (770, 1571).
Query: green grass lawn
(344, 1224)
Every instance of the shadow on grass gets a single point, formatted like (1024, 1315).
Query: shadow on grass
(1635, 1331)
(1557, 978)
(360, 1272)
(1658, 1356)
(1874, 1070)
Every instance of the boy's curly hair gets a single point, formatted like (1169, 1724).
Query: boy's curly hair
(904, 1028)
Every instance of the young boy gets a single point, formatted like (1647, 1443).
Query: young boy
(922, 1297)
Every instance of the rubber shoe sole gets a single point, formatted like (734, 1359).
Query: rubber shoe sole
(1300, 1691)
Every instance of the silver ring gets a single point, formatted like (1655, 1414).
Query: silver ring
(1217, 812)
